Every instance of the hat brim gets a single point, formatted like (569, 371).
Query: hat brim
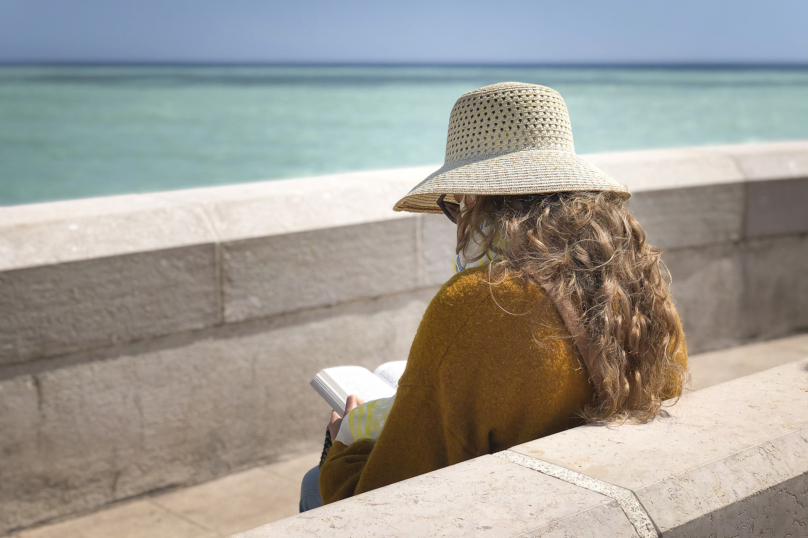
(529, 171)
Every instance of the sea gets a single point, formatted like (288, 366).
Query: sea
(71, 132)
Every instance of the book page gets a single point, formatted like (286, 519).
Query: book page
(391, 372)
(336, 384)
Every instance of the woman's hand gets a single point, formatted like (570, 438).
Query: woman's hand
(336, 420)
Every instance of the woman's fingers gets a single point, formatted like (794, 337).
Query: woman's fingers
(333, 426)
(353, 402)
(336, 420)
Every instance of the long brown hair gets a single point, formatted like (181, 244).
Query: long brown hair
(590, 255)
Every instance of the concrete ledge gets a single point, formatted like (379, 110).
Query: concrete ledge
(732, 447)
(761, 489)
(730, 460)
(486, 495)
(43, 234)
(267, 245)
(283, 273)
(63, 308)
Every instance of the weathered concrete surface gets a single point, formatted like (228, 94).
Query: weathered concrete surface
(708, 289)
(486, 495)
(763, 162)
(604, 521)
(438, 241)
(691, 216)
(775, 272)
(660, 169)
(252, 210)
(760, 491)
(625, 499)
(715, 367)
(234, 503)
(137, 519)
(706, 165)
(77, 230)
(725, 451)
(777, 512)
(730, 294)
(100, 428)
(776, 208)
(62, 308)
(702, 427)
(283, 273)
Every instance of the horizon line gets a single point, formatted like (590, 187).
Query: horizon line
(624, 65)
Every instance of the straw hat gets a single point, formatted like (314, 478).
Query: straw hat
(508, 138)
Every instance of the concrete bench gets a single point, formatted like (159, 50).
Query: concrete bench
(730, 460)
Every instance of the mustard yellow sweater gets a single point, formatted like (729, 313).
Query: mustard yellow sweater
(490, 367)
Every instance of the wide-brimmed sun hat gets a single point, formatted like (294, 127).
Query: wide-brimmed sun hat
(508, 138)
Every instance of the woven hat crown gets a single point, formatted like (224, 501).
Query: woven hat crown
(507, 117)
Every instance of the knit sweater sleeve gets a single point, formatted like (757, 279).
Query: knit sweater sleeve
(414, 441)
(416, 437)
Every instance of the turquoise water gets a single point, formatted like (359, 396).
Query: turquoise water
(73, 132)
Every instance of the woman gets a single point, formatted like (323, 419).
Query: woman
(559, 313)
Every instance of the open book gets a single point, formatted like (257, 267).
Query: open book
(336, 384)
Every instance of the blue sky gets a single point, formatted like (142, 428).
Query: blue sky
(411, 31)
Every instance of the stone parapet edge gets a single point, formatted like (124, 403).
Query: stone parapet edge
(789, 446)
(214, 214)
(625, 498)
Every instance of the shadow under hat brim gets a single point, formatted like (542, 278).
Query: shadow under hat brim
(529, 171)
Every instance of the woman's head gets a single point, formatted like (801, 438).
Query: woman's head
(506, 143)
(590, 255)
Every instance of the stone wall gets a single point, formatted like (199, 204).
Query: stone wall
(729, 460)
(150, 341)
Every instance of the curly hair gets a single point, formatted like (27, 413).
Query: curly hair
(590, 255)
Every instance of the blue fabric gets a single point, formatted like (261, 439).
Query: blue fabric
(310, 490)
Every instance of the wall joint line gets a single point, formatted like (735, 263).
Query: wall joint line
(632, 507)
